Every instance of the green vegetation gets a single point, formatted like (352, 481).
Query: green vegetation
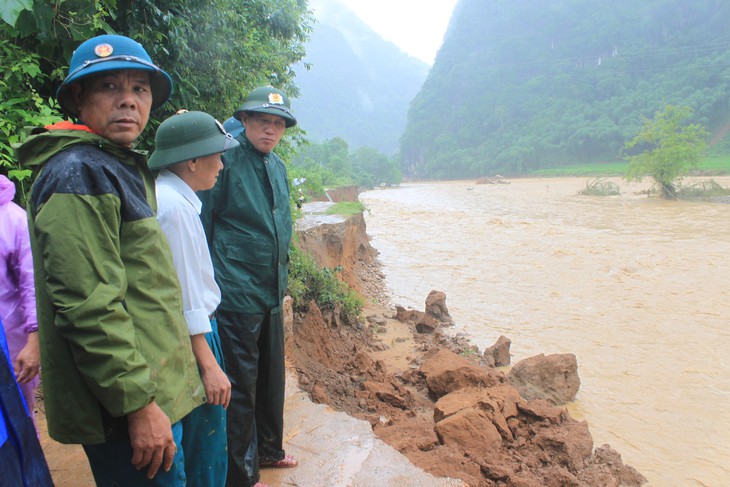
(596, 169)
(671, 149)
(346, 208)
(215, 51)
(332, 164)
(571, 89)
(714, 165)
(308, 282)
(709, 166)
(600, 187)
(704, 189)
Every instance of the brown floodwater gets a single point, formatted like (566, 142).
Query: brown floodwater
(637, 288)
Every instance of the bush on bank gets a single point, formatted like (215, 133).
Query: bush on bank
(309, 282)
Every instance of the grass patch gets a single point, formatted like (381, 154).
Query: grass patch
(615, 168)
(346, 208)
(715, 165)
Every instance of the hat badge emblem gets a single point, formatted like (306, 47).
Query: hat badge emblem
(103, 50)
(276, 99)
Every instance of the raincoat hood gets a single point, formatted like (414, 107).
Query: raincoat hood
(7, 190)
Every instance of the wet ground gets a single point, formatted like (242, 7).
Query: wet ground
(315, 214)
(335, 449)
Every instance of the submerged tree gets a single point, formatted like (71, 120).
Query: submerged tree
(672, 148)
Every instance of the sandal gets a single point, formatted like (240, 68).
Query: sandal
(287, 462)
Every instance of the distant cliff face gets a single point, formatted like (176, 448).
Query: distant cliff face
(520, 85)
(358, 86)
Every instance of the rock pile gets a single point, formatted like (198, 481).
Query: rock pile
(450, 412)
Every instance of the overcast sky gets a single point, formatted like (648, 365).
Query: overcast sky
(416, 26)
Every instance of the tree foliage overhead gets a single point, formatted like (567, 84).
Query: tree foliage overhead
(214, 50)
(672, 147)
(520, 85)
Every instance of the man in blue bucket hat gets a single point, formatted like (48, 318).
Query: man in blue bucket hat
(117, 365)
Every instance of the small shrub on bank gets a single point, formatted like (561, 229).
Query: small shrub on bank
(309, 282)
(600, 187)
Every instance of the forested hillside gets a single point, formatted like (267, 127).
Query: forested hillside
(358, 86)
(520, 85)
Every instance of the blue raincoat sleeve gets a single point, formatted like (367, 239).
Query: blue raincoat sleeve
(26, 456)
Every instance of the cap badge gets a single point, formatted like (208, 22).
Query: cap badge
(103, 50)
(276, 99)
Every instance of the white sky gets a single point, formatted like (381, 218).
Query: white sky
(416, 26)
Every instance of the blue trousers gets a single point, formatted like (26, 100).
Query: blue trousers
(204, 434)
(111, 464)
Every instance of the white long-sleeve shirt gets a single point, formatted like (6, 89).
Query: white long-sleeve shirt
(178, 211)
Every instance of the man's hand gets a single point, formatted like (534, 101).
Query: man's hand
(28, 362)
(217, 386)
(150, 433)
(215, 381)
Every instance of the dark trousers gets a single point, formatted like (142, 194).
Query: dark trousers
(111, 464)
(253, 351)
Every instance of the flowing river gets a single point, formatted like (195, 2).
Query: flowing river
(637, 288)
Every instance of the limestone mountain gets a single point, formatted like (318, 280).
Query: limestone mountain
(521, 85)
(359, 86)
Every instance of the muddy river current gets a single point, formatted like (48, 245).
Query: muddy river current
(637, 288)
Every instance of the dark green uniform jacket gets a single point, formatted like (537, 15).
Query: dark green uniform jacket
(112, 332)
(247, 219)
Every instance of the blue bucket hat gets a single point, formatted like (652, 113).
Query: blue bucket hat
(234, 127)
(112, 53)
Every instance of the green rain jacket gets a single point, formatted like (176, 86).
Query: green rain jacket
(248, 222)
(111, 327)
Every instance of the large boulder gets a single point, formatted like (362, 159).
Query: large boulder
(436, 306)
(552, 377)
(570, 445)
(469, 430)
(446, 372)
(495, 403)
(498, 354)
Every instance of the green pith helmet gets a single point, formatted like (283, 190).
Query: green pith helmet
(112, 53)
(187, 136)
(267, 99)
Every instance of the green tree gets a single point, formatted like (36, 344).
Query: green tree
(671, 148)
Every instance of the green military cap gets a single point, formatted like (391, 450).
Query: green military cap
(186, 136)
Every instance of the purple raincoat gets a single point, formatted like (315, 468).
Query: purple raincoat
(17, 291)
